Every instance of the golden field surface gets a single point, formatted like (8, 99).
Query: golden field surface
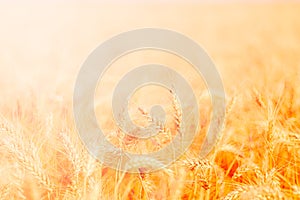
(256, 48)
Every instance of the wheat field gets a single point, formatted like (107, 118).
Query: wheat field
(256, 48)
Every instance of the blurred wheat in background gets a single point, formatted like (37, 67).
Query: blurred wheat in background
(256, 48)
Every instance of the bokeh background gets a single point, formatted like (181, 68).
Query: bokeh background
(255, 46)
